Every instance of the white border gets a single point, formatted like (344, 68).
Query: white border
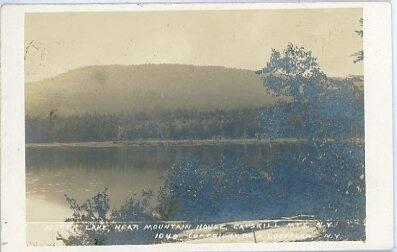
(378, 127)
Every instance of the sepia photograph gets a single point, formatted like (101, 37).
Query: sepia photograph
(194, 126)
(198, 125)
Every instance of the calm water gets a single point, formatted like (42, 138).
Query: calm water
(80, 172)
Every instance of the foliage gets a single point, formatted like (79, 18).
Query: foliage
(327, 180)
(331, 176)
(94, 223)
(226, 189)
(359, 56)
(294, 73)
(321, 107)
(278, 121)
(178, 124)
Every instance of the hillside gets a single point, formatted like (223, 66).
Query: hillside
(116, 88)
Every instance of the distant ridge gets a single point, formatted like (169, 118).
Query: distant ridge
(149, 87)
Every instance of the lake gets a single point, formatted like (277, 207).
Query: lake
(256, 181)
(80, 172)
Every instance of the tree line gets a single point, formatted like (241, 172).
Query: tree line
(277, 121)
(176, 124)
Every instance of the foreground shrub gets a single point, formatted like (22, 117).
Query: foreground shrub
(94, 223)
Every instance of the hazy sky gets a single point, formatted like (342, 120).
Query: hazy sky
(239, 38)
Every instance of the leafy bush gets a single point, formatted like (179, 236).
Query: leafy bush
(327, 181)
(94, 223)
(218, 191)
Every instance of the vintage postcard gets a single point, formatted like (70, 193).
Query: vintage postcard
(196, 127)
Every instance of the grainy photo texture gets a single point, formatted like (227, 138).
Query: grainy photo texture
(204, 126)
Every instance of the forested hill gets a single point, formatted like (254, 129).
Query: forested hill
(151, 87)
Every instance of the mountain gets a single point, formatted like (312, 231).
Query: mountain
(149, 87)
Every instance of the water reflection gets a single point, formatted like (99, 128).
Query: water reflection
(80, 172)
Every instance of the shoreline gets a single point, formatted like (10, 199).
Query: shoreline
(201, 142)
